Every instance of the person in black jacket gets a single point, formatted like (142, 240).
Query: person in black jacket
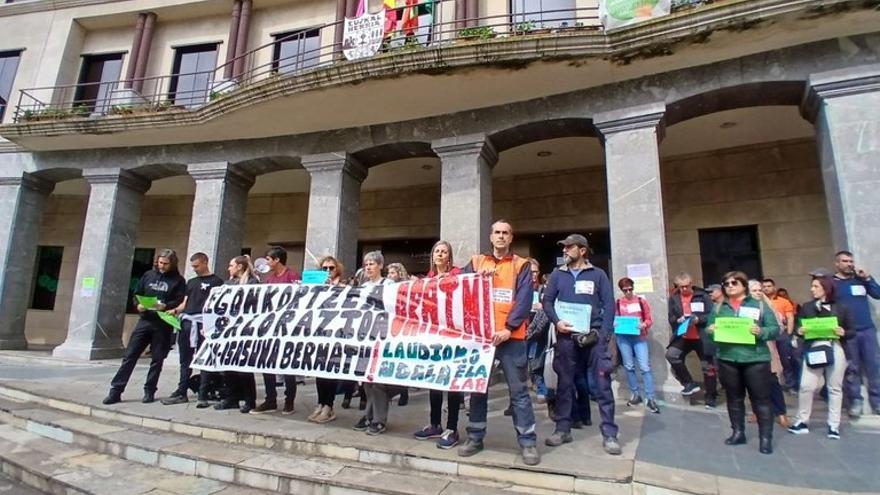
(816, 363)
(164, 283)
(691, 302)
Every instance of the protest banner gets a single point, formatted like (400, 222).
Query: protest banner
(428, 333)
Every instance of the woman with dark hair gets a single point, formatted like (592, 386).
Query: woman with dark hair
(240, 386)
(634, 348)
(442, 266)
(746, 366)
(824, 358)
(326, 387)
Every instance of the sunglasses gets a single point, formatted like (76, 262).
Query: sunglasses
(328, 268)
(731, 283)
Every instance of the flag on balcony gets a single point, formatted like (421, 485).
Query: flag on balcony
(410, 18)
(619, 13)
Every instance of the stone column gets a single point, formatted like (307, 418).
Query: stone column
(22, 199)
(334, 208)
(218, 215)
(466, 193)
(845, 108)
(635, 215)
(97, 310)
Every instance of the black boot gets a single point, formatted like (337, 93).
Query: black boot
(737, 415)
(764, 412)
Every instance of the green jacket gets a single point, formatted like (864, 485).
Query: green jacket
(745, 353)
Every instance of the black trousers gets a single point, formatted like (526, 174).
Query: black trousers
(738, 378)
(455, 400)
(269, 382)
(676, 354)
(326, 388)
(158, 337)
(240, 386)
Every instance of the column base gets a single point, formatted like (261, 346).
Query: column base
(13, 344)
(87, 352)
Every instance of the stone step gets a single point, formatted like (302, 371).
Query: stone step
(604, 475)
(52, 466)
(266, 469)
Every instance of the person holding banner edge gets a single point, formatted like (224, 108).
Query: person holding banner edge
(164, 283)
(442, 265)
(189, 338)
(744, 358)
(512, 302)
(817, 364)
(584, 289)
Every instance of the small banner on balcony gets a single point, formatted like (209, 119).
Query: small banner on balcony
(429, 333)
(362, 35)
(619, 13)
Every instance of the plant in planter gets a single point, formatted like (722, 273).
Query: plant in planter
(478, 32)
(524, 27)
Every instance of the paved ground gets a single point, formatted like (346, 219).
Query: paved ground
(683, 437)
(11, 487)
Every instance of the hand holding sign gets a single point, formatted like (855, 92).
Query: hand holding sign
(821, 328)
(734, 330)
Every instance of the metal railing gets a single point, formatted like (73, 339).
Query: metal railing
(437, 28)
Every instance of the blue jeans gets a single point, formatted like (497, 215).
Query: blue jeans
(634, 348)
(861, 354)
(536, 351)
(514, 362)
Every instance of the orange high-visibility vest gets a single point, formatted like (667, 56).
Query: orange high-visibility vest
(506, 271)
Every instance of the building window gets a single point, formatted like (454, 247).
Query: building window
(536, 14)
(46, 277)
(727, 249)
(8, 67)
(142, 263)
(97, 78)
(296, 50)
(193, 74)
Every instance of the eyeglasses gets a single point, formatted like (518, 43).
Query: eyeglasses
(627, 289)
(328, 268)
(731, 283)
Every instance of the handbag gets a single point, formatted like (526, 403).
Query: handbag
(550, 378)
(820, 354)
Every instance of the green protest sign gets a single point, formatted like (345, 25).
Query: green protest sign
(734, 330)
(148, 302)
(820, 328)
(169, 319)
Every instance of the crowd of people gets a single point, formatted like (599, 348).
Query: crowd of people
(561, 335)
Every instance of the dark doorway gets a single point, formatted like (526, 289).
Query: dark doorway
(97, 78)
(543, 248)
(734, 248)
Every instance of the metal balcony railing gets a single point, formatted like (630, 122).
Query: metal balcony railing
(437, 29)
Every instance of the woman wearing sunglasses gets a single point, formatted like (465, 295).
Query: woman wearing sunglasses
(745, 366)
(326, 387)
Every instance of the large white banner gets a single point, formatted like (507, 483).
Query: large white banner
(429, 333)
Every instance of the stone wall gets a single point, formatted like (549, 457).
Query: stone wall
(776, 186)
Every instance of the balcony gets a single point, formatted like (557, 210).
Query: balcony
(446, 46)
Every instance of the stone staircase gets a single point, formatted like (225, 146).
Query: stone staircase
(63, 447)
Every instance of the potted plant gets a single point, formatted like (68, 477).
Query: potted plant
(477, 32)
(523, 27)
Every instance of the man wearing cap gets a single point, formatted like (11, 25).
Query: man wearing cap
(688, 316)
(576, 288)
(852, 288)
(511, 303)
